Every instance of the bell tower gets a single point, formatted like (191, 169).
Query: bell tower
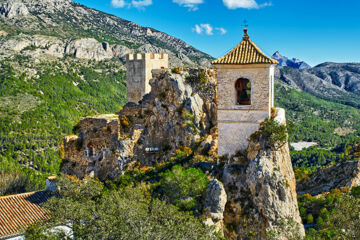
(245, 88)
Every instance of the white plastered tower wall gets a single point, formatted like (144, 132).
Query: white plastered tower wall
(236, 123)
(138, 73)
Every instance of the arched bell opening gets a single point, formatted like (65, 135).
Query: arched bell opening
(243, 91)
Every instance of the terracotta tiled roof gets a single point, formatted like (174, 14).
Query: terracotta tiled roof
(246, 52)
(17, 212)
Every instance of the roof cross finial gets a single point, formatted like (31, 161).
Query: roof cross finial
(245, 25)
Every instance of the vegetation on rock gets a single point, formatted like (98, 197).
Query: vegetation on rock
(36, 112)
(331, 216)
(93, 211)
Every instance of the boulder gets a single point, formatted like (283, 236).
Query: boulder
(215, 200)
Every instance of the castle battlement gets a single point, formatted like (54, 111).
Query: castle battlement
(147, 56)
(138, 73)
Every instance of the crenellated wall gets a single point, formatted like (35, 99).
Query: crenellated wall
(139, 67)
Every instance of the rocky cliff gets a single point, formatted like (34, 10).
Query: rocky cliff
(175, 114)
(261, 191)
(346, 174)
(251, 195)
(64, 27)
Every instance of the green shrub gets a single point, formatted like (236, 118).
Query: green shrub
(355, 191)
(183, 187)
(127, 213)
(176, 70)
(309, 218)
(200, 78)
(273, 132)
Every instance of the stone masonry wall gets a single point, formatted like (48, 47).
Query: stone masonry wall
(139, 67)
(237, 122)
(93, 151)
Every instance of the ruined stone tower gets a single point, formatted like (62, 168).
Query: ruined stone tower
(245, 80)
(138, 72)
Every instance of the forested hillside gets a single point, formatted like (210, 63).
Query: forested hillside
(37, 112)
(60, 61)
(335, 127)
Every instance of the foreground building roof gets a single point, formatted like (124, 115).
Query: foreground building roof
(246, 52)
(17, 212)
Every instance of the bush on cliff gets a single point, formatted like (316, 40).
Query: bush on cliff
(183, 187)
(271, 133)
(130, 213)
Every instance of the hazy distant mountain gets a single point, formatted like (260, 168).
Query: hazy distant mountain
(294, 63)
(337, 82)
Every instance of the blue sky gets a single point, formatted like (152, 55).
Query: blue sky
(315, 31)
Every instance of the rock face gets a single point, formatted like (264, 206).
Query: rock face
(94, 148)
(261, 192)
(13, 9)
(89, 48)
(346, 174)
(171, 116)
(294, 63)
(215, 201)
(67, 20)
(338, 82)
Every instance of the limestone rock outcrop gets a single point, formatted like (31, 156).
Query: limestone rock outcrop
(214, 206)
(261, 191)
(346, 174)
(94, 148)
(69, 20)
(171, 116)
(89, 48)
(13, 9)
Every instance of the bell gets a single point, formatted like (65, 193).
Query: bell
(244, 96)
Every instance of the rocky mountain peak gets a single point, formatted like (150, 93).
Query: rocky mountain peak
(68, 20)
(294, 63)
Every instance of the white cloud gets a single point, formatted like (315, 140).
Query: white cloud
(191, 4)
(139, 4)
(249, 4)
(207, 29)
(222, 31)
(118, 3)
(197, 29)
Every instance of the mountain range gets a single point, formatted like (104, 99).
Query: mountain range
(286, 62)
(335, 82)
(60, 61)
(65, 27)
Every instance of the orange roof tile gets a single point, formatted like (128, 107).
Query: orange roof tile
(246, 52)
(17, 212)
